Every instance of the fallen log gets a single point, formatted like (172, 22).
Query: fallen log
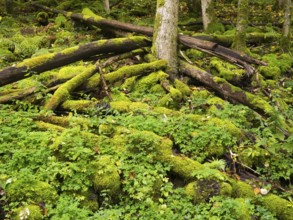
(124, 72)
(64, 91)
(205, 46)
(46, 62)
(227, 90)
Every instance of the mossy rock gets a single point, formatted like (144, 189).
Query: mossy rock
(28, 212)
(31, 190)
(204, 189)
(282, 208)
(242, 189)
(106, 176)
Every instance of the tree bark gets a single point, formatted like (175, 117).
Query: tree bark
(242, 21)
(165, 34)
(107, 6)
(49, 61)
(285, 41)
(206, 10)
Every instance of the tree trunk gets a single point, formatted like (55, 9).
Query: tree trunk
(165, 33)
(107, 6)
(242, 17)
(285, 41)
(206, 17)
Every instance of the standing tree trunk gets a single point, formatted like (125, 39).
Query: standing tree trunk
(210, 22)
(206, 15)
(242, 21)
(165, 34)
(107, 6)
(285, 41)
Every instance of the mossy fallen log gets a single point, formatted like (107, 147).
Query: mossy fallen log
(64, 91)
(46, 62)
(124, 72)
(227, 90)
(17, 95)
(205, 46)
(252, 38)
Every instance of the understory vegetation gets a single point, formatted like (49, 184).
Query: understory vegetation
(137, 144)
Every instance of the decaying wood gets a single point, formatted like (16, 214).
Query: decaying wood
(104, 83)
(124, 72)
(227, 90)
(205, 46)
(46, 62)
(64, 91)
(17, 95)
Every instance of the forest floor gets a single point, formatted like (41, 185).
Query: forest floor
(128, 142)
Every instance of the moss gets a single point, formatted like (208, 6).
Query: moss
(29, 212)
(282, 208)
(226, 189)
(259, 103)
(63, 92)
(194, 54)
(204, 94)
(138, 107)
(6, 55)
(28, 46)
(242, 189)
(146, 82)
(167, 101)
(182, 87)
(121, 106)
(226, 70)
(48, 126)
(215, 27)
(106, 129)
(78, 105)
(283, 62)
(126, 72)
(271, 72)
(106, 176)
(35, 61)
(88, 12)
(166, 111)
(157, 89)
(216, 101)
(183, 166)
(129, 83)
(119, 96)
(31, 190)
(202, 190)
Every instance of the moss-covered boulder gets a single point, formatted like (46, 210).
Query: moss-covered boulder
(204, 189)
(282, 208)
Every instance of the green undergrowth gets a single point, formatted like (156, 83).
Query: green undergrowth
(158, 149)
